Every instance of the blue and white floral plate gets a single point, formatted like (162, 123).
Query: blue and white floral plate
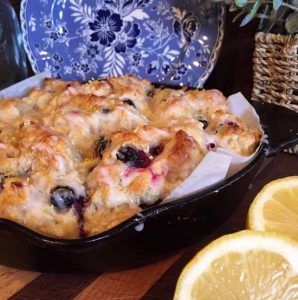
(173, 42)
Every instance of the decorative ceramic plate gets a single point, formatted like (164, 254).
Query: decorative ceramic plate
(173, 42)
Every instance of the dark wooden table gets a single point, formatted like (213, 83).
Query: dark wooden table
(233, 73)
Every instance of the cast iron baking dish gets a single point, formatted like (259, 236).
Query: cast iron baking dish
(156, 231)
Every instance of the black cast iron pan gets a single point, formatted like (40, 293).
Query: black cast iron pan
(157, 231)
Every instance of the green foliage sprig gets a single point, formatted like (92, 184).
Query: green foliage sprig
(279, 14)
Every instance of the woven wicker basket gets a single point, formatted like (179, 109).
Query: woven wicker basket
(276, 71)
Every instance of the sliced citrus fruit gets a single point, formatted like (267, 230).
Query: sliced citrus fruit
(244, 265)
(275, 208)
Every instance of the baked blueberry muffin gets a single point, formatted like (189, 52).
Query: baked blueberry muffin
(77, 159)
(138, 168)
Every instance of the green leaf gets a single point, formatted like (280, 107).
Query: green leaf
(252, 13)
(277, 4)
(255, 8)
(246, 20)
(241, 3)
(292, 23)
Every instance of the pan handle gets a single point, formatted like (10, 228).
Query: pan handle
(280, 125)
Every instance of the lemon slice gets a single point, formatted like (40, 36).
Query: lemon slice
(275, 208)
(244, 265)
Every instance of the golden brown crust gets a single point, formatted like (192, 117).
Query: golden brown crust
(92, 154)
(24, 200)
(233, 134)
(182, 155)
(105, 219)
(56, 87)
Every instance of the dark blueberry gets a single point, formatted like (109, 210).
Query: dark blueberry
(129, 102)
(101, 145)
(133, 157)
(105, 110)
(211, 146)
(79, 206)
(17, 184)
(156, 150)
(62, 197)
(230, 123)
(204, 121)
(1, 182)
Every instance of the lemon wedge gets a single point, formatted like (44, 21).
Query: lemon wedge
(275, 208)
(243, 265)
